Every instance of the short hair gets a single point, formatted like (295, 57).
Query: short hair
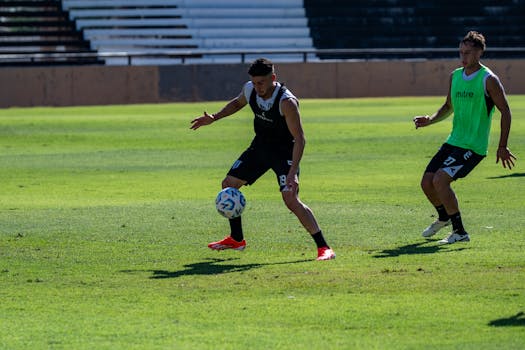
(261, 67)
(475, 38)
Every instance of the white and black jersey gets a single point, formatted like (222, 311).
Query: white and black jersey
(273, 144)
(269, 123)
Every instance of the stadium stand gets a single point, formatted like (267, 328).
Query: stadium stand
(365, 24)
(171, 26)
(204, 31)
(39, 27)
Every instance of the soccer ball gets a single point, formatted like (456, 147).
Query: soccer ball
(230, 202)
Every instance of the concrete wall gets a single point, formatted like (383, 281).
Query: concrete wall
(104, 85)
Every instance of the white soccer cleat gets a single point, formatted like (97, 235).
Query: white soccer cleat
(434, 228)
(455, 237)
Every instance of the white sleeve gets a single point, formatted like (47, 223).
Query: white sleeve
(247, 90)
(287, 95)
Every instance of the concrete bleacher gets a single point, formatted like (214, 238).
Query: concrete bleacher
(160, 26)
(38, 27)
(364, 24)
(217, 31)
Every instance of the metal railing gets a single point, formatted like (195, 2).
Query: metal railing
(306, 55)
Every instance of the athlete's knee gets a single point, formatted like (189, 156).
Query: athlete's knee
(230, 181)
(291, 201)
(427, 182)
(441, 180)
(226, 183)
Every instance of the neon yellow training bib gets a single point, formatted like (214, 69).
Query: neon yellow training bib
(473, 111)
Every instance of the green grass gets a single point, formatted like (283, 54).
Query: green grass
(105, 213)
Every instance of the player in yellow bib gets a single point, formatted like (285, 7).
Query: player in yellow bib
(474, 91)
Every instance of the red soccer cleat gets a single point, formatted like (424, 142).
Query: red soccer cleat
(325, 253)
(227, 243)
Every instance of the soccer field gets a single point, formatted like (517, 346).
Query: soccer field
(106, 212)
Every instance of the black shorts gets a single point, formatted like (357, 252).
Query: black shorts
(258, 159)
(455, 161)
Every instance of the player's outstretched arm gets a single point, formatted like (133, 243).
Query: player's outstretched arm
(231, 107)
(443, 112)
(421, 121)
(425, 120)
(205, 119)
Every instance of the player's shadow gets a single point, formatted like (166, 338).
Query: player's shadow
(516, 320)
(505, 176)
(211, 266)
(415, 248)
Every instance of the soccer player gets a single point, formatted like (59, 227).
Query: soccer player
(278, 145)
(473, 92)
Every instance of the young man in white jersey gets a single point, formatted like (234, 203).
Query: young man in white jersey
(278, 145)
(474, 90)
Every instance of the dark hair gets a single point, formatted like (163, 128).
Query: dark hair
(261, 67)
(476, 39)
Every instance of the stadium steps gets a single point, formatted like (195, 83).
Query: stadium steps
(39, 27)
(157, 26)
(363, 24)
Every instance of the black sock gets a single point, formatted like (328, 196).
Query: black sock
(319, 239)
(236, 229)
(457, 224)
(443, 216)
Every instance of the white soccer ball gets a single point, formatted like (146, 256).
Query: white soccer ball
(230, 202)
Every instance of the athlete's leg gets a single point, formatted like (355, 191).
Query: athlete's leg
(441, 183)
(232, 181)
(235, 224)
(301, 210)
(245, 170)
(290, 195)
(307, 219)
(427, 185)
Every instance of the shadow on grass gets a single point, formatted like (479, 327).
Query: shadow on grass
(416, 248)
(516, 320)
(508, 175)
(211, 266)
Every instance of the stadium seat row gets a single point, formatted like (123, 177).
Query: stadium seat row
(156, 26)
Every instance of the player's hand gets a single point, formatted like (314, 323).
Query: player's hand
(506, 156)
(421, 121)
(206, 119)
(292, 183)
